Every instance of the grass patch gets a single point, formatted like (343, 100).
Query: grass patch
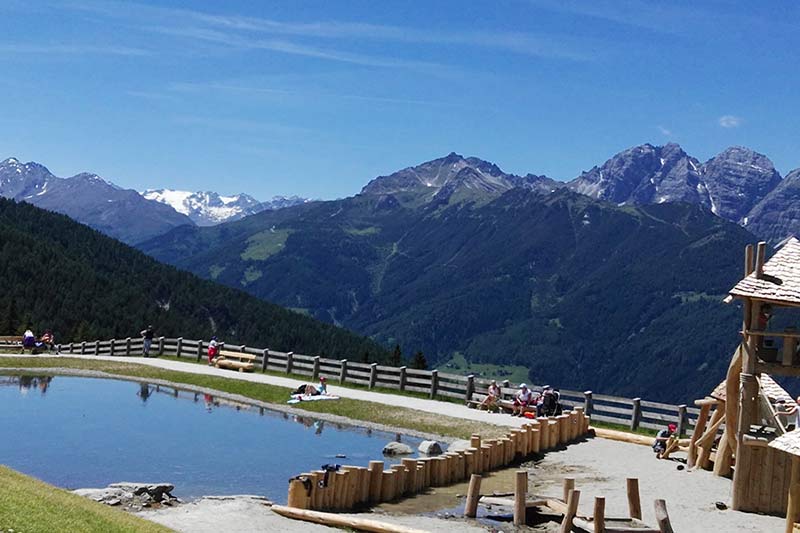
(353, 409)
(264, 244)
(369, 230)
(32, 506)
(458, 364)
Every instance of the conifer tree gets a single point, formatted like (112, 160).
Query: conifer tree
(396, 359)
(419, 362)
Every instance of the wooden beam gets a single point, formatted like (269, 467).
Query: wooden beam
(702, 420)
(777, 369)
(473, 495)
(599, 515)
(793, 505)
(662, 517)
(572, 509)
(569, 485)
(732, 396)
(337, 520)
(634, 503)
(520, 494)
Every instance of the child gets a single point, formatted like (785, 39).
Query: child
(213, 350)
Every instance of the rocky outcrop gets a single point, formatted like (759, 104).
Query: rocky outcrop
(430, 447)
(777, 216)
(132, 496)
(397, 448)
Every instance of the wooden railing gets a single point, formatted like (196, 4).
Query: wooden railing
(633, 413)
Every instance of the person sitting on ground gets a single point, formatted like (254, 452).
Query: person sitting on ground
(28, 340)
(213, 350)
(47, 340)
(309, 389)
(522, 399)
(492, 395)
(663, 439)
(790, 411)
(322, 388)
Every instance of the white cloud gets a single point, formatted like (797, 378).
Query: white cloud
(730, 121)
(664, 131)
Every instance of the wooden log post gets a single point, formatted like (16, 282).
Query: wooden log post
(581, 416)
(554, 433)
(328, 496)
(434, 383)
(97, 347)
(724, 458)
(298, 495)
(475, 441)
(567, 487)
(343, 371)
(506, 451)
(520, 497)
(682, 421)
(161, 346)
(315, 369)
(588, 403)
(373, 375)
(340, 489)
(128, 346)
(199, 352)
(264, 359)
(700, 426)
(634, 503)
(572, 509)
(473, 495)
(470, 388)
(399, 480)
(364, 479)
(599, 515)
(544, 434)
(349, 487)
(793, 503)
(486, 458)
(420, 477)
(112, 347)
(706, 442)
(289, 362)
(662, 517)
(178, 347)
(469, 462)
(316, 490)
(535, 440)
(411, 475)
(375, 481)
(636, 414)
(403, 377)
(388, 486)
(83, 347)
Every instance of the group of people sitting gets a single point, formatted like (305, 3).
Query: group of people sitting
(45, 342)
(525, 400)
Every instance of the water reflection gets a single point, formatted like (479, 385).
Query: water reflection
(27, 383)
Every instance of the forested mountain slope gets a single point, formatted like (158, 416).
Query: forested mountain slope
(619, 299)
(56, 273)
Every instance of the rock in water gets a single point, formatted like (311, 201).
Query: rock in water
(430, 447)
(397, 448)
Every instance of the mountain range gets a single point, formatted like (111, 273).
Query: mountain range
(123, 213)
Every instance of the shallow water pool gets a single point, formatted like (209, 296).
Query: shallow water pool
(83, 432)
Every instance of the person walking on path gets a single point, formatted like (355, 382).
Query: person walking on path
(147, 336)
(213, 350)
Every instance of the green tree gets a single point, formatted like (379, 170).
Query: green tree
(419, 362)
(396, 358)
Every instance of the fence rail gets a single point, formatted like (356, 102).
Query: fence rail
(631, 412)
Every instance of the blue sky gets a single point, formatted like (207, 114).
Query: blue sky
(317, 97)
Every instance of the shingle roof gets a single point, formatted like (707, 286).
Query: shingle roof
(772, 390)
(720, 393)
(788, 442)
(781, 280)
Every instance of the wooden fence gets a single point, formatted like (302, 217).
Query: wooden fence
(633, 413)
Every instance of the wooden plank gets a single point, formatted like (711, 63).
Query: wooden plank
(765, 492)
(337, 520)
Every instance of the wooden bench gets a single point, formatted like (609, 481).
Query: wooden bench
(243, 362)
(14, 341)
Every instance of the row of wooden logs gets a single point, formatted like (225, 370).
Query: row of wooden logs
(353, 486)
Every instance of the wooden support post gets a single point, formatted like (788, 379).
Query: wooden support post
(724, 457)
(572, 510)
(434, 383)
(343, 371)
(340, 492)
(520, 496)
(569, 485)
(83, 348)
(761, 257)
(375, 480)
(388, 486)
(486, 458)
(289, 362)
(544, 434)
(315, 369)
(330, 492)
(349, 488)
(599, 515)
(682, 421)
(411, 475)
(470, 389)
(662, 518)
(475, 441)
(420, 477)
(636, 414)
(264, 359)
(403, 378)
(699, 427)
(298, 496)
(178, 347)
(634, 503)
(399, 480)
(506, 451)
(706, 442)
(580, 421)
(97, 347)
(439, 471)
(554, 433)
(316, 490)
(112, 346)
(199, 353)
(469, 462)
(373, 375)
(793, 504)
(473, 495)
(588, 403)
(128, 346)
(535, 440)
(748, 398)
(364, 477)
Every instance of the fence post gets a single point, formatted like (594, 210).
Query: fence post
(83, 347)
(636, 414)
(264, 359)
(343, 371)
(434, 383)
(403, 378)
(681, 420)
(470, 388)
(97, 347)
(588, 403)
(315, 369)
(373, 375)
(505, 383)
(289, 362)
(199, 353)
(161, 346)
(128, 346)
(178, 347)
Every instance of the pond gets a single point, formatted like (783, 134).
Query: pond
(84, 432)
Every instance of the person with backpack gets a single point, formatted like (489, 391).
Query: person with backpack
(213, 350)
(147, 339)
(548, 405)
